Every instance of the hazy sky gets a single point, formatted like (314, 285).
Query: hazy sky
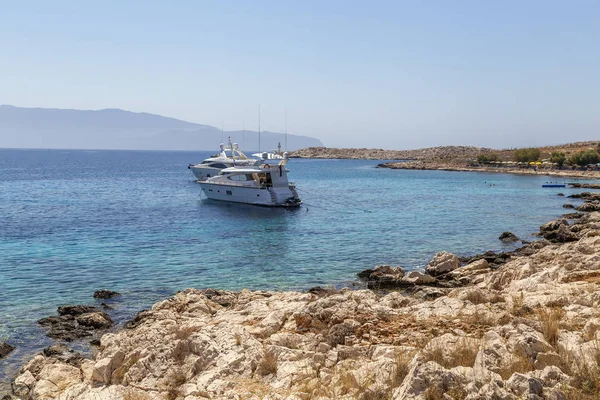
(398, 74)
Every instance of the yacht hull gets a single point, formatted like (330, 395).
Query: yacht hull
(202, 173)
(260, 196)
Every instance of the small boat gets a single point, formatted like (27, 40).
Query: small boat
(229, 156)
(264, 185)
(554, 185)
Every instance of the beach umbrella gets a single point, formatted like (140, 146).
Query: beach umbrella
(532, 163)
(538, 163)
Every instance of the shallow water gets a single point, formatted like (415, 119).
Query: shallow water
(73, 222)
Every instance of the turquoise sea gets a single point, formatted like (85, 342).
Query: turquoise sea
(75, 221)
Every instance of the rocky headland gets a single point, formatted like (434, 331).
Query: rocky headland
(456, 158)
(524, 324)
(443, 152)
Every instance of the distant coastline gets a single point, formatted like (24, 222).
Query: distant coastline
(432, 166)
(459, 158)
(115, 129)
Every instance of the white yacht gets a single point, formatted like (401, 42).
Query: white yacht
(271, 155)
(229, 156)
(266, 185)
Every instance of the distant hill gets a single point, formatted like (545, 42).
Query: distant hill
(446, 154)
(119, 129)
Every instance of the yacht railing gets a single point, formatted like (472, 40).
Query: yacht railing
(241, 184)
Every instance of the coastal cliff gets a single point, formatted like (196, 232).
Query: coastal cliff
(524, 325)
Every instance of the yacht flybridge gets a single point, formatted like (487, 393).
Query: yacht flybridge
(229, 156)
(265, 184)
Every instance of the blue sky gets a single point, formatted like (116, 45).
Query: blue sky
(354, 74)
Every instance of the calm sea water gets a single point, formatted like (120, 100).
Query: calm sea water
(73, 222)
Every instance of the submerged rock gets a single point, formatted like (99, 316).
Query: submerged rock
(105, 294)
(139, 318)
(63, 353)
(383, 276)
(75, 322)
(386, 277)
(5, 349)
(322, 291)
(76, 310)
(494, 259)
(553, 225)
(561, 235)
(588, 196)
(589, 207)
(575, 215)
(508, 237)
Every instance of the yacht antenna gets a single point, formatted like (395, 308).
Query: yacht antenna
(285, 143)
(259, 128)
(243, 134)
(222, 131)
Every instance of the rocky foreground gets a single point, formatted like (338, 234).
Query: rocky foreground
(504, 326)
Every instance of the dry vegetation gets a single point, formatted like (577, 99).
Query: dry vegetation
(402, 367)
(585, 382)
(463, 354)
(133, 394)
(550, 321)
(268, 363)
(519, 362)
(184, 332)
(174, 378)
(476, 296)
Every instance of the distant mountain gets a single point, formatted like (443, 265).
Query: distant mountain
(119, 129)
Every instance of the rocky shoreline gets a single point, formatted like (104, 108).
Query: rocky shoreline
(461, 153)
(524, 324)
(444, 166)
(451, 158)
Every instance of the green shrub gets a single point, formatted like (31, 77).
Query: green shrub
(558, 158)
(527, 155)
(584, 158)
(486, 158)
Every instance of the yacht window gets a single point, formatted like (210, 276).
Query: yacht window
(237, 177)
(217, 165)
(205, 162)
